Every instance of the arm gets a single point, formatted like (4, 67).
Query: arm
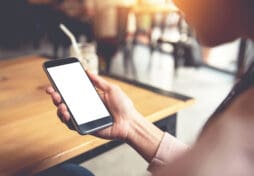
(157, 147)
(144, 137)
(129, 125)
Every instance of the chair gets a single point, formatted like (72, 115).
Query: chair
(176, 38)
(107, 47)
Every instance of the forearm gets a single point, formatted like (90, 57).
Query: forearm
(144, 137)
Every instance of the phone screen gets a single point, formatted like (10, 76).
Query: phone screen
(78, 92)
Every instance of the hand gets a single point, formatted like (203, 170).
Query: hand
(120, 106)
(129, 125)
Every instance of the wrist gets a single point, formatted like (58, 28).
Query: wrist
(144, 136)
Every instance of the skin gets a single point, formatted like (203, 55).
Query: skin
(218, 21)
(226, 145)
(129, 125)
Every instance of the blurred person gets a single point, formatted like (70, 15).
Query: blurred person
(226, 144)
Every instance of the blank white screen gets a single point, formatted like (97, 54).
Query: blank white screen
(78, 92)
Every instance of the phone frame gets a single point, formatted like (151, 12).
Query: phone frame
(86, 128)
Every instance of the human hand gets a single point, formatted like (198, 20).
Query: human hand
(120, 106)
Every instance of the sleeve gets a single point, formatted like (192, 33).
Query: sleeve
(169, 149)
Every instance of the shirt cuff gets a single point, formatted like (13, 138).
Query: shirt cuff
(169, 149)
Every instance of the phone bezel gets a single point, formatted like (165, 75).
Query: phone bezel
(86, 128)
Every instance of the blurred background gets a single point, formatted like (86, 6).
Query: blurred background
(143, 40)
(32, 27)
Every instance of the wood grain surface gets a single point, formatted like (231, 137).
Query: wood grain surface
(32, 137)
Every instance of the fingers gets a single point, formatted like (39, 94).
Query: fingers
(99, 82)
(56, 98)
(63, 113)
(50, 90)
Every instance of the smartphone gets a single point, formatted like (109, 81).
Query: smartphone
(87, 110)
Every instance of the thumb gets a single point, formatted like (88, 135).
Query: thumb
(99, 82)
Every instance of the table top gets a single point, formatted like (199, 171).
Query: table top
(33, 138)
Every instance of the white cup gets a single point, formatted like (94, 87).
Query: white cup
(88, 58)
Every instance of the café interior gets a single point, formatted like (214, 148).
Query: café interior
(144, 43)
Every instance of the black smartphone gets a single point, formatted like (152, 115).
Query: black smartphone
(87, 110)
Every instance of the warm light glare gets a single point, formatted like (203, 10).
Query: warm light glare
(172, 4)
(168, 3)
(156, 1)
(128, 2)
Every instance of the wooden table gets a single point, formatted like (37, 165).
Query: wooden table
(33, 138)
